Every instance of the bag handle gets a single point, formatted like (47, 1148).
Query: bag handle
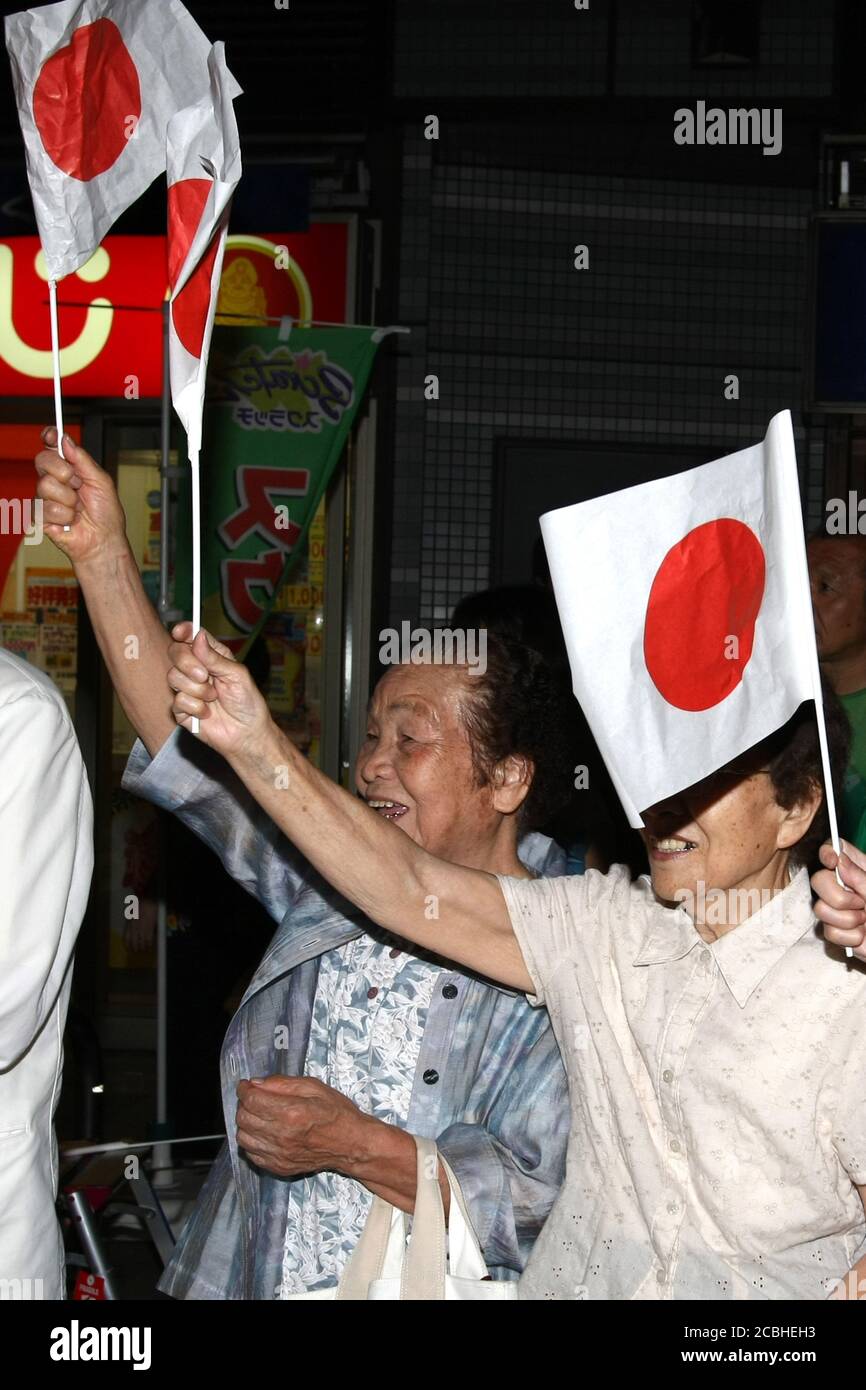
(422, 1278)
(381, 1251)
(369, 1257)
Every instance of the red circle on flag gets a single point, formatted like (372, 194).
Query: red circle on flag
(701, 614)
(186, 203)
(87, 101)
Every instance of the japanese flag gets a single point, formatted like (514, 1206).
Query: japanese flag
(204, 166)
(96, 83)
(687, 614)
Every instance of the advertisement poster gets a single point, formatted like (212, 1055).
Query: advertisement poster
(276, 422)
(45, 630)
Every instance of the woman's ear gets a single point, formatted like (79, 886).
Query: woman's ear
(512, 778)
(796, 821)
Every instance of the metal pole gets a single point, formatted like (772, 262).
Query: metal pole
(88, 1235)
(162, 1154)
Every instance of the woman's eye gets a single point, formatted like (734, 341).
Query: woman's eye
(406, 738)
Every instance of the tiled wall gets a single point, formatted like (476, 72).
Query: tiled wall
(690, 278)
(548, 48)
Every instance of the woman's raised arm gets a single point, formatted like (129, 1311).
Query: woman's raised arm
(457, 912)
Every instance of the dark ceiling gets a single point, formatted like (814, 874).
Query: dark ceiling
(319, 65)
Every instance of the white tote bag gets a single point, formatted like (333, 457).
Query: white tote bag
(433, 1263)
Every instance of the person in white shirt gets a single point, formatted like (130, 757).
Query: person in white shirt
(46, 862)
(712, 1037)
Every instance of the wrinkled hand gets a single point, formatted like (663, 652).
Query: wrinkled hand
(295, 1124)
(77, 493)
(843, 912)
(220, 691)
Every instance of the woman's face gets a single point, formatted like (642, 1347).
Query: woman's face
(415, 765)
(727, 832)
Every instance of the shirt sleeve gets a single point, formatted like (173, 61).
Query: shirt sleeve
(549, 915)
(510, 1162)
(198, 786)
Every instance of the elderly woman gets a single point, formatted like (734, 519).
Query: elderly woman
(347, 1041)
(714, 1042)
(354, 1041)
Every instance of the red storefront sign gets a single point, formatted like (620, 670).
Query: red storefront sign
(105, 350)
(304, 275)
(110, 310)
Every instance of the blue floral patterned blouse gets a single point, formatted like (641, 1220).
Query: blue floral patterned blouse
(369, 1014)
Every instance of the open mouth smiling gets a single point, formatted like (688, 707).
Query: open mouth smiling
(669, 846)
(390, 810)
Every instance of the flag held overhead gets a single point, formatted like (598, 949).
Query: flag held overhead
(96, 83)
(203, 169)
(687, 615)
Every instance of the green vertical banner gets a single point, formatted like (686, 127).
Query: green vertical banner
(276, 420)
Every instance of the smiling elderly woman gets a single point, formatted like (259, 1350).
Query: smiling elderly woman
(716, 1069)
(347, 1041)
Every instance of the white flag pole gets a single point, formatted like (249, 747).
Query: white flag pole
(196, 552)
(792, 483)
(55, 359)
(828, 780)
(828, 784)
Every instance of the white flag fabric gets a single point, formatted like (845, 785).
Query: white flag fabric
(96, 83)
(687, 615)
(203, 169)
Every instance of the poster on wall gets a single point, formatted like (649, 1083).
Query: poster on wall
(277, 419)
